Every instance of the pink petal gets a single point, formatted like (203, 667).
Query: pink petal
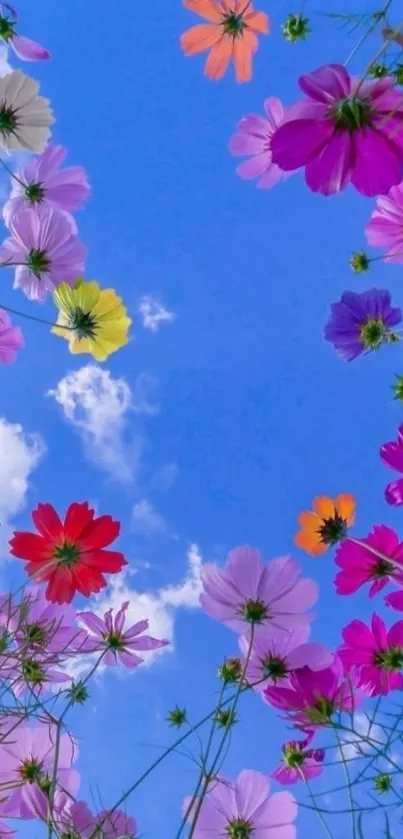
(28, 50)
(251, 790)
(392, 455)
(395, 600)
(254, 167)
(296, 143)
(357, 634)
(327, 83)
(395, 635)
(330, 170)
(394, 493)
(379, 631)
(378, 164)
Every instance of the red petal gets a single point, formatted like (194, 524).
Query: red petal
(47, 522)
(61, 587)
(40, 571)
(77, 519)
(109, 561)
(100, 533)
(30, 546)
(87, 580)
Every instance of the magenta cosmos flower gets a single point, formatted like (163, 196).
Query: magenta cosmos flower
(345, 131)
(253, 139)
(248, 592)
(45, 251)
(42, 182)
(246, 809)
(377, 560)
(276, 654)
(392, 455)
(299, 763)
(377, 652)
(108, 634)
(312, 698)
(11, 339)
(26, 769)
(23, 47)
(385, 227)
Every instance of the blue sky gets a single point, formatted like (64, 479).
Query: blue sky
(218, 427)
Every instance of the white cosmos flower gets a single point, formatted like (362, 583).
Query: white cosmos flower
(25, 117)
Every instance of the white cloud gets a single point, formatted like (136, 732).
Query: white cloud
(367, 737)
(154, 313)
(158, 607)
(20, 455)
(146, 520)
(143, 392)
(98, 406)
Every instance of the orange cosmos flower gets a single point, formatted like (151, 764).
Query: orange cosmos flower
(230, 34)
(327, 525)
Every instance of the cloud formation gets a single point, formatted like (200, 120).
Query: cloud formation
(154, 313)
(146, 520)
(20, 455)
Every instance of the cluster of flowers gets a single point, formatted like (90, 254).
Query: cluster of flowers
(43, 244)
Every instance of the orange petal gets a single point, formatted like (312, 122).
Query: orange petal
(310, 543)
(219, 58)
(258, 21)
(200, 38)
(205, 8)
(345, 506)
(309, 521)
(324, 507)
(244, 48)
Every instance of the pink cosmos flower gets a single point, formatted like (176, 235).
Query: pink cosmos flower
(41, 626)
(32, 674)
(11, 339)
(245, 808)
(377, 652)
(26, 49)
(248, 592)
(312, 698)
(395, 600)
(116, 825)
(253, 138)
(298, 762)
(42, 183)
(392, 455)
(73, 818)
(345, 131)
(45, 250)
(26, 768)
(385, 227)
(120, 645)
(6, 832)
(360, 565)
(275, 655)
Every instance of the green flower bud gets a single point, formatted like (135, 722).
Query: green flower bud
(295, 28)
(177, 717)
(383, 783)
(359, 262)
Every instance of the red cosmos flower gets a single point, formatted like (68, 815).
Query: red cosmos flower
(69, 556)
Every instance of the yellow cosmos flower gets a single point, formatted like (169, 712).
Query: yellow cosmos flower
(92, 320)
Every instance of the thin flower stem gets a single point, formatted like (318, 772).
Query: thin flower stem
(13, 175)
(317, 809)
(366, 34)
(349, 787)
(33, 317)
(380, 52)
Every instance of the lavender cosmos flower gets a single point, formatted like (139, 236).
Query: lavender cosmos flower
(361, 322)
(33, 674)
(276, 654)
(246, 809)
(345, 131)
(120, 645)
(72, 818)
(248, 592)
(299, 763)
(45, 627)
(42, 182)
(253, 138)
(11, 339)
(392, 455)
(23, 47)
(45, 250)
(116, 825)
(385, 227)
(6, 832)
(26, 769)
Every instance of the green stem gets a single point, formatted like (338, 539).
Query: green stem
(33, 317)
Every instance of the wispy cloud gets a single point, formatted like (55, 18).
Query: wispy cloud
(146, 520)
(98, 406)
(154, 313)
(159, 607)
(368, 735)
(20, 456)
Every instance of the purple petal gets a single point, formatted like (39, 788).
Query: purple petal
(327, 83)
(295, 143)
(395, 600)
(28, 50)
(394, 493)
(392, 455)
(254, 167)
(92, 622)
(330, 170)
(379, 163)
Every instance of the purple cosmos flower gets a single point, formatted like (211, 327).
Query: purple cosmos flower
(116, 825)
(253, 138)
(120, 645)
(298, 762)
(361, 322)
(377, 654)
(248, 592)
(42, 182)
(23, 47)
(345, 131)
(392, 455)
(245, 808)
(311, 698)
(276, 654)
(45, 250)
(11, 339)
(6, 832)
(26, 768)
(72, 818)
(377, 560)
(46, 627)
(32, 674)
(385, 227)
